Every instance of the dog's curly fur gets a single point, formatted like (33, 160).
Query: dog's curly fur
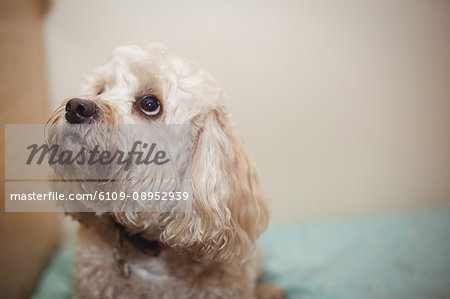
(211, 250)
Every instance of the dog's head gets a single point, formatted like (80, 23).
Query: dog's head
(152, 87)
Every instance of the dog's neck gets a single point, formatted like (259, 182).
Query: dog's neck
(148, 247)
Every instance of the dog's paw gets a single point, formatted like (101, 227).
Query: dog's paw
(269, 291)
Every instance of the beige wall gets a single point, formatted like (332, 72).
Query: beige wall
(344, 105)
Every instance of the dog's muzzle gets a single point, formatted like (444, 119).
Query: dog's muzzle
(80, 111)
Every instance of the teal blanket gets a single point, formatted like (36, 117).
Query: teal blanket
(402, 255)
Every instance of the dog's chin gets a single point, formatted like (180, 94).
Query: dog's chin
(71, 133)
(67, 136)
(77, 137)
(72, 144)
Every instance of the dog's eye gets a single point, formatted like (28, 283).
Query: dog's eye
(101, 91)
(149, 105)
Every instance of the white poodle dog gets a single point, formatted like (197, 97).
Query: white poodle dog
(209, 252)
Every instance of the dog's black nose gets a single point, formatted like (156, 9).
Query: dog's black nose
(79, 111)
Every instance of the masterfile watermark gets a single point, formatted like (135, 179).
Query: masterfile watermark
(94, 156)
(101, 168)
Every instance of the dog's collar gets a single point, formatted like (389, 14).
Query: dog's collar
(147, 247)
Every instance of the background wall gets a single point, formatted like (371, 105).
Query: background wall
(27, 240)
(344, 105)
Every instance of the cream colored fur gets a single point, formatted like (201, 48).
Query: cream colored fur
(211, 250)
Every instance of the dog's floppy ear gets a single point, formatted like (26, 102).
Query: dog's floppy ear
(229, 212)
